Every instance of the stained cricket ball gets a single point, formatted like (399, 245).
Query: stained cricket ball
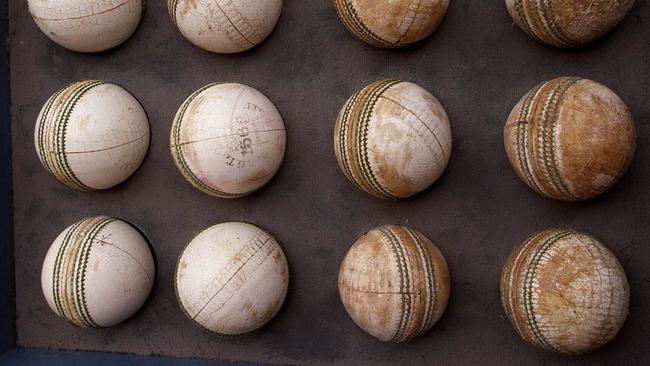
(87, 25)
(232, 278)
(225, 26)
(391, 24)
(92, 135)
(394, 283)
(392, 139)
(228, 140)
(98, 272)
(564, 291)
(570, 139)
(567, 23)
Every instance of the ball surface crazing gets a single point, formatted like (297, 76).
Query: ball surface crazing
(567, 23)
(565, 292)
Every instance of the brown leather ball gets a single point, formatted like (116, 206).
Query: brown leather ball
(391, 24)
(394, 283)
(570, 139)
(565, 292)
(567, 23)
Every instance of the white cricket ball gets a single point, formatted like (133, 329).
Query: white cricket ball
(98, 272)
(87, 25)
(232, 278)
(392, 139)
(225, 26)
(92, 135)
(228, 140)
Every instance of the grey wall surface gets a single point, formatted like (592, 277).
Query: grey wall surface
(478, 64)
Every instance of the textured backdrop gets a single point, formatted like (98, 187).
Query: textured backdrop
(478, 65)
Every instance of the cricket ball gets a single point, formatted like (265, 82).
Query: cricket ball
(567, 23)
(570, 139)
(228, 140)
(225, 26)
(391, 24)
(92, 135)
(98, 272)
(232, 278)
(392, 139)
(87, 25)
(394, 283)
(565, 292)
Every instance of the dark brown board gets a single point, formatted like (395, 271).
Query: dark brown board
(478, 64)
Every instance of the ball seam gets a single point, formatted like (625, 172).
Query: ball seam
(432, 290)
(367, 112)
(528, 289)
(395, 245)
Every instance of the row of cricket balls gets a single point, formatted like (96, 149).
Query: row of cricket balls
(562, 290)
(567, 139)
(229, 26)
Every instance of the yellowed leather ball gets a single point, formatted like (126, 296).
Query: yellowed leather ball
(564, 291)
(394, 283)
